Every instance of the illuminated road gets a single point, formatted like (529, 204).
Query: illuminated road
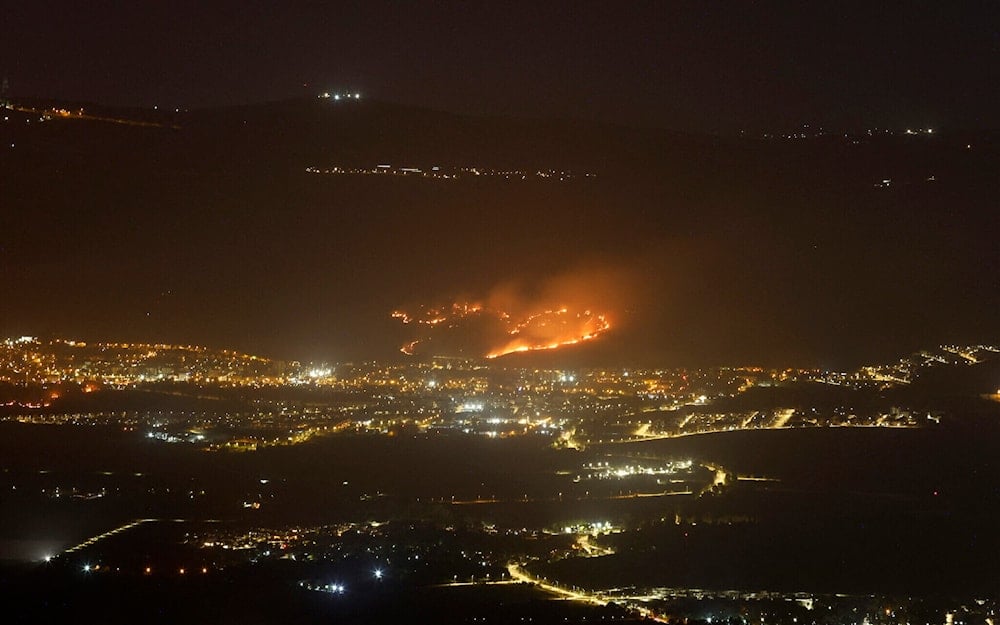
(665, 435)
(666, 493)
(881, 423)
(502, 582)
(477, 502)
(592, 550)
(783, 417)
(65, 114)
(93, 540)
(519, 574)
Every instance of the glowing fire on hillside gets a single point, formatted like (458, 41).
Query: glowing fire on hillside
(553, 329)
(542, 330)
(566, 310)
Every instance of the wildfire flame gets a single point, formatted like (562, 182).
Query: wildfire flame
(553, 329)
(543, 330)
(524, 315)
(434, 316)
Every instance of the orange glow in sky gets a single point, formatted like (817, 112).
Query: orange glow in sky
(540, 330)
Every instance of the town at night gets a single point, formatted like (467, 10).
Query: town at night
(476, 313)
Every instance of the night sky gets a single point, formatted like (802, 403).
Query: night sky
(716, 67)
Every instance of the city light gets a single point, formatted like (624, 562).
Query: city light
(616, 313)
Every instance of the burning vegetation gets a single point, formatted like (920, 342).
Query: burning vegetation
(510, 321)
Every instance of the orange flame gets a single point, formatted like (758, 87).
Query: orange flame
(544, 330)
(519, 316)
(585, 327)
(410, 348)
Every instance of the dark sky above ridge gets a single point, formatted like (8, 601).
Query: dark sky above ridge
(716, 66)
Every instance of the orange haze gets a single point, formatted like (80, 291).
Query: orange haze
(567, 310)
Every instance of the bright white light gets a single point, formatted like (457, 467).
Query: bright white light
(378, 573)
(48, 558)
(86, 568)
